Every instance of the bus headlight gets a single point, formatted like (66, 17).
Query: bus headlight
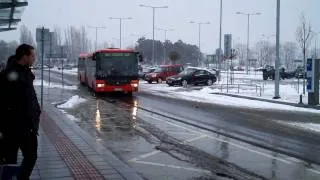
(100, 85)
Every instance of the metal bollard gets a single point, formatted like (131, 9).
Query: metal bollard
(300, 102)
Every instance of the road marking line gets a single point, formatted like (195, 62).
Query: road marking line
(149, 154)
(143, 156)
(221, 140)
(194, 139)
(173, 166)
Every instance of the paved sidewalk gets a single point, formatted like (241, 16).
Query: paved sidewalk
(270, 101)
(67, 152)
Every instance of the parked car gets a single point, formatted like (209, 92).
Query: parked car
(163, 72)
(145, 71)
(193, 76)
(65, 67)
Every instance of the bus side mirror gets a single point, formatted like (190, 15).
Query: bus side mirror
(140, 58)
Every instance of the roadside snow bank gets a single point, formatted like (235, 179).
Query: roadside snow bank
(72, 102)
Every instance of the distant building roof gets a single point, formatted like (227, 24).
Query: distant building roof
(10, 13)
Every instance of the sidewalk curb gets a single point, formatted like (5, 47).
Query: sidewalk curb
(66, 125)
(270, 101)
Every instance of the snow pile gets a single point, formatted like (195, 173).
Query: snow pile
(203, 96)
(73, 71)
(53, 85)
(70, 117)
(72, 102)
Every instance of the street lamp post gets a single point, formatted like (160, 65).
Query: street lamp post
(96, 28)
(220, 37)
(199, 40)
(153, 11)
(315, 44)
(277, 63)
(164, 43)
(248, 31)
(120, 23)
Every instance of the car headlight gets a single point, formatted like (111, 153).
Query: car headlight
(179, 78)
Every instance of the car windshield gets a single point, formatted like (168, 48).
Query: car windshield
(160, 69)
(188, 71)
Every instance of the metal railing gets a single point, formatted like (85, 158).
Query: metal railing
(258, 88)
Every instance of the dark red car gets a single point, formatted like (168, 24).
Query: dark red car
(164, 71)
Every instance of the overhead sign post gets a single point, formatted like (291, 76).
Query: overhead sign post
(227, 45)
(313, 81)
(42, 35)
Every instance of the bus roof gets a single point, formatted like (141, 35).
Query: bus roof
(115, 50)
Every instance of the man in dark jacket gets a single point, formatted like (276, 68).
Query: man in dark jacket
(22, 114)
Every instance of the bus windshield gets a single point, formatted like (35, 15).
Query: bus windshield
(118, 64)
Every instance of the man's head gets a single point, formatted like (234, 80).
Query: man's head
(25, 55)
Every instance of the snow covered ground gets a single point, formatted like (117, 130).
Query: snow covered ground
(73, 71)
(204, 94)
(252, 85)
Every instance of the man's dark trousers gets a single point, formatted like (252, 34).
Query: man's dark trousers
(28, 144)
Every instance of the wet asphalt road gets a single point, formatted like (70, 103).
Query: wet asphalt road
(177, 139)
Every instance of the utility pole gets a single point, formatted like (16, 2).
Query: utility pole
(50, 38)
(62, 66)
(220, 37)
(248, 33)
(153, 23)
(199, 36)
(277, 63)
(120, 23)
(96, 28)
(164, 43)
(42, 57)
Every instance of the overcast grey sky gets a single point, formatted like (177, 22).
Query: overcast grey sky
(65, 13)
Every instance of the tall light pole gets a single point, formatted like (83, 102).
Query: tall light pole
(220, 37)
(199, 40)
(120, 23)
(96, 28)
(164, 43)
(277, 63)
(248, 31)
(153, 11)
(315, 34)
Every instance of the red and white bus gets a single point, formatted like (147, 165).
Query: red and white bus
(110, 70)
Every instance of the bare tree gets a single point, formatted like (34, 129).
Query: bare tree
(242, 51)
(7, 49)
(303, 37)
(289, 52)
(26, 36)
